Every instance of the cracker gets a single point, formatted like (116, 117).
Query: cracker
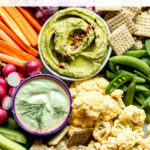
(131, 11)
(142, 23)
(58, 137)
(107, 8)
(120, 19)
(78, 136)
(121, 40)
(61, 146)
(110, 14)
(81, 147)
(138, 44)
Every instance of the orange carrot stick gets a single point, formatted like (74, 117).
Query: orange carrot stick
(24, 25)
(7, 39)
(9, 53)
(28, 49)
(12, 60)
(18, 52)
(28, 14)
(12, 25)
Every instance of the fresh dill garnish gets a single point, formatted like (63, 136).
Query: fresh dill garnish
(58, 111)
(33, 111)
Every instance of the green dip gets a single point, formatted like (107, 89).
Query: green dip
(41, 105)
(74, 42)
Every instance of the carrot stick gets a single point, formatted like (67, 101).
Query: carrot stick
(28, 49)
(7, 39)
(18, 52)
(7, 52)
(28, 14)
(11, 24)
(12, 60)
(23, 24)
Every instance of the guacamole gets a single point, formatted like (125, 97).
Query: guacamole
(74, 43)
(41, 105)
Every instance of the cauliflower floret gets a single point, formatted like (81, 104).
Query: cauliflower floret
(148, 129)
(102, 130)
(117, 94)
(145, 143)
(134, 114)
(137, 147)
(124, 141)
(128, 126)
(95, 145)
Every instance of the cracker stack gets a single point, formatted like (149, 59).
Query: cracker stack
(121, 40)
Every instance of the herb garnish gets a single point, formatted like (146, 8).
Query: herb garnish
(58, 111)
(34, 111)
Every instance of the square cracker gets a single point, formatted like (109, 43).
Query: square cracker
(107, 8)
(131, 11)
(110, 14)
(58, 137)
(121, 40)
(120, 19)
(78, 136)
(142, 23)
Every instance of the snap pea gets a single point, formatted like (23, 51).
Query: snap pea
(112, 66)
(141, 88)
(135, 78)
(132, 62)
(124, 88)
(118, 81)
(146, 103)
(146, 93)
(139, 98)
(136, 53)
(110, 75)
(147, 45)
(147, 118)
(146, 60)
(136, 104)
(133, 47)
(128, 99)
(142, 75)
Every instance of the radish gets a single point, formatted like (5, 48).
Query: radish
(3, 115)
(6, 102)
(32, 67)
(14, 79)
(3, 82)
(2, 92)
(11, 91)
(7, 69)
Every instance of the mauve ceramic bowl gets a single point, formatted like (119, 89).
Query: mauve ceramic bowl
(67, 78)
(59, 82)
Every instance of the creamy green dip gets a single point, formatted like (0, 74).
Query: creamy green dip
(74, 42)
(41, 105)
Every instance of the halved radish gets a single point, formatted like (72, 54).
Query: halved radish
(6, 102)
(14, 79)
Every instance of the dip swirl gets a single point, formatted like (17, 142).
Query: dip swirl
(74, 42)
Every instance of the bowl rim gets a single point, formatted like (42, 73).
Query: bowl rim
(67, 78)
(70, 107)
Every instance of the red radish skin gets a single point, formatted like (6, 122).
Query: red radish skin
(7, 69)
(11, 91)
(14, 79)
(3, 82)
(6, 102)
(3, 115)
(2, 92)
(32, 67)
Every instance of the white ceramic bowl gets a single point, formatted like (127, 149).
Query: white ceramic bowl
(67, 77)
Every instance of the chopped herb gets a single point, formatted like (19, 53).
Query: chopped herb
(33, 111)
(58, 111)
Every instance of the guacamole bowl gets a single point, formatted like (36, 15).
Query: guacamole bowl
(73, 44)
(42, 104)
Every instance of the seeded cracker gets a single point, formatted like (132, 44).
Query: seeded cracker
(58, 137)
(107, 8)
(132, 11)
(121, 40)
(110, 14)
(120, 19)
(142, 23)
(78, 136)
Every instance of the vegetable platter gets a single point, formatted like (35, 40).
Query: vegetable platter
(106, 109)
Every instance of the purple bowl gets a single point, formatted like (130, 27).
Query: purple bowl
(58, 81)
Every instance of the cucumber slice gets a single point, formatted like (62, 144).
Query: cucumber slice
(8, 144)
(13, 135)
(12, 123)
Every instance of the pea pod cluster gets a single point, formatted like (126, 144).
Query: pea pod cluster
(131, 73)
